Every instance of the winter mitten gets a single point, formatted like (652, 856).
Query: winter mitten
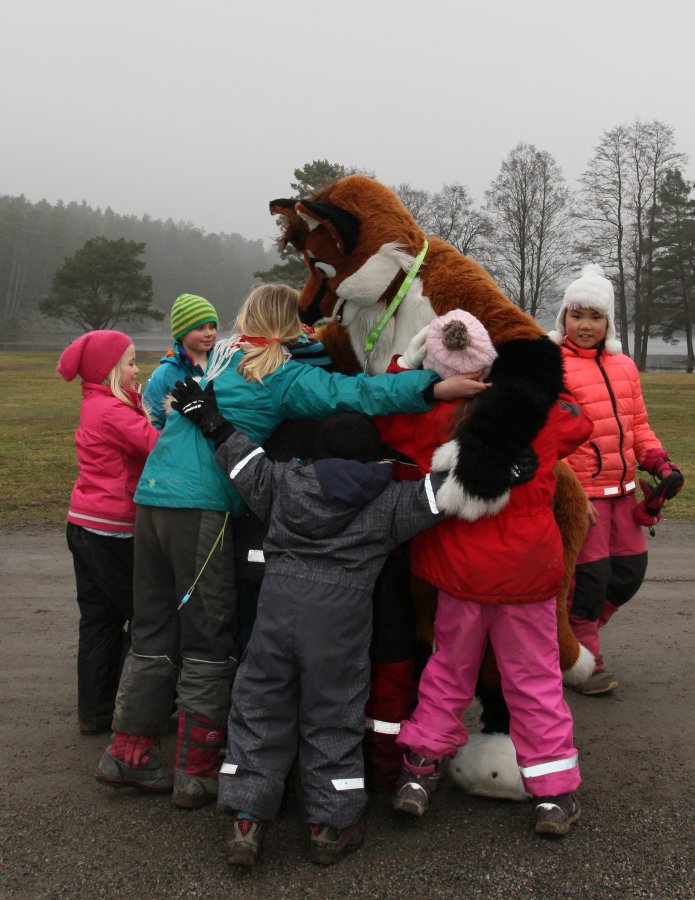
(200, 407)
(415, 351)
(648, 511)
(525, 467)
(658, 464)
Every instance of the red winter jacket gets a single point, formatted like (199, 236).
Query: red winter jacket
(514, 556)
(607, 387)
(112, 443)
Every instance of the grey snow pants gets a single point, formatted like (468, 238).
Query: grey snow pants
(188, 655)
(301, 688)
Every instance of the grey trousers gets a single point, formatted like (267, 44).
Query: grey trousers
(188, 655)
(301, 688)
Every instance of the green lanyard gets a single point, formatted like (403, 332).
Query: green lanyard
(375, 334)
(220, 537)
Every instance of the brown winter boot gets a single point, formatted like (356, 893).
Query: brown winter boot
(127, 762)
(197, 761)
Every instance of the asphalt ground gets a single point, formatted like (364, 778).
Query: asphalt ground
(63, 835)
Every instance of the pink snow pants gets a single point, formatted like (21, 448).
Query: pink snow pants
(609, 570)
(524, 638)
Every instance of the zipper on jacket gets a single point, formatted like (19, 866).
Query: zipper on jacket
(599, 461)
(617, 419)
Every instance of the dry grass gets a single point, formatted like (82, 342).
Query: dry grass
(40, 412)
(670, 399)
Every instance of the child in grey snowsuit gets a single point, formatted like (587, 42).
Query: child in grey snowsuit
(303, 681)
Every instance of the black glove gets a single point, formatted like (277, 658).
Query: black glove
(200, 407)
(670, 477)
(525, 467)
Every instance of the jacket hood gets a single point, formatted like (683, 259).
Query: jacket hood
(591, 291)
(341, 488)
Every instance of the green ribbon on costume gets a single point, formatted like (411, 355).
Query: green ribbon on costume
(375, 334)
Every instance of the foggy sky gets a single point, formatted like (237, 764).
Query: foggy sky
(201, 112)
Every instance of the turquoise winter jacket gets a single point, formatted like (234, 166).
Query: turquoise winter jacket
(181, 471)
(174, 366)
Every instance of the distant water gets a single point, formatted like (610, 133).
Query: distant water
(147, 341)
(666, 360)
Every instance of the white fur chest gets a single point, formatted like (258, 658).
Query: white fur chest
(361, 311)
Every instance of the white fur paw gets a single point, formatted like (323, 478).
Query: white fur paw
(445, 457)
(582, 669)
(454, 499)
(486, 766)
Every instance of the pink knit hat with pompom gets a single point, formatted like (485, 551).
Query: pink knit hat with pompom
(92, 355)
(458, 343)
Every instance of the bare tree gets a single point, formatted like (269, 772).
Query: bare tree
(617, 215)
(603, 214)
(654, 147)
(530, 219)
(417, 203)
(454, 219)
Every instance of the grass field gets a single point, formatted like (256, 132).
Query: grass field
(40, 412)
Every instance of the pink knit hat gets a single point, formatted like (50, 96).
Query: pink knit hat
(457, 343)
(92, 355)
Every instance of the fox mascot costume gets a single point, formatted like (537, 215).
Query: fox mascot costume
(374, 281)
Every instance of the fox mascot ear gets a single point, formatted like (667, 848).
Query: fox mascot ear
(303, 216)
(343, 227)
(295, 230)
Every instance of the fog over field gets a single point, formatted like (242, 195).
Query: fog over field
(201, 112)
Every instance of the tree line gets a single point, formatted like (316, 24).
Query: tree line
(633, 211)
(36, 238)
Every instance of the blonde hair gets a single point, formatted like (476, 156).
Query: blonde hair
(270, 311)
(113, 381)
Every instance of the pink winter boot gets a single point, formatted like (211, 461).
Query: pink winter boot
(127, 762)
(586, 632)
(197, 761)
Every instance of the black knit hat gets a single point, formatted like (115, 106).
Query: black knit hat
(348, 436)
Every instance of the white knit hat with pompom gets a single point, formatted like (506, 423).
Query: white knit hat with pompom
(592, 290)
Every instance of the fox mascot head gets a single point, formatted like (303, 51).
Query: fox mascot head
(360, 244)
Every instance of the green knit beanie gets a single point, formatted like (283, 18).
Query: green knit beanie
(190, 311)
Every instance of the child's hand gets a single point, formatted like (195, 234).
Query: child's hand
(460, 387)
(197, 405)
(648, 511)
(200, 408)
(658, 464)
(415, 351)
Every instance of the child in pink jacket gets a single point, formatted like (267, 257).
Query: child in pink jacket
(112, 442)
(605, 382)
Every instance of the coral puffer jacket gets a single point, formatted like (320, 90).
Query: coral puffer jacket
(112, 443)
(608, 389)
(514, 556)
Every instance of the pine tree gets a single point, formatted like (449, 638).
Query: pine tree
(674, 261)
(101, 284)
